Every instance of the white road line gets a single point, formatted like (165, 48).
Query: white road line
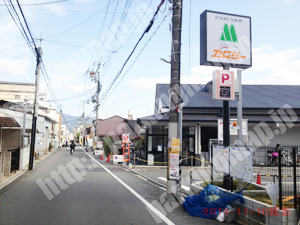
(158, 213)
(182, 186)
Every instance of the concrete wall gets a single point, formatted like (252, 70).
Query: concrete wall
(24, 158)
(7, 163)
(1, 166)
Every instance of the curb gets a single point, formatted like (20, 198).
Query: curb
(12, 178)
(150, 180)
(21, 172)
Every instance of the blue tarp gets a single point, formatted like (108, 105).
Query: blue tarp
(210, 202)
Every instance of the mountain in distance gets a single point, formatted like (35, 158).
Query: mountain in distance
(74, 121)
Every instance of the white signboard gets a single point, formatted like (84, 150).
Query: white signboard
(241, 163)
(125, 137)
(174, 159)
(225, 40)
(98, 152)
(221, 159)
(233, 129)
(174, 172)
(118, 158)
(223, 85)
(99, 144)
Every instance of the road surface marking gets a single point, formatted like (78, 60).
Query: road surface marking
(182, 186)
(151, 207)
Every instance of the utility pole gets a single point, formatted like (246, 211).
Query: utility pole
(83, 130)
(173, 186)
(24, 122)
(97, 104)
(59, 134)
(36, 106)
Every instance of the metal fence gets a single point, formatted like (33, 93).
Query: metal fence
(281, 172)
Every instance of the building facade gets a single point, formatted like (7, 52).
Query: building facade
(271, 113)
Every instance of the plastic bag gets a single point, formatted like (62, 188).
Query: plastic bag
(206, 205)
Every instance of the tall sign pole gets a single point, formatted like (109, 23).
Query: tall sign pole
(172, 184)
(225, 41)
(36, 106)
(226, 138)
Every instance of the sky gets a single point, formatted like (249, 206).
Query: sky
(78, 35)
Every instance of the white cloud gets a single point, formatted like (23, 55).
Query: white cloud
(287, 1)
(56, 9)
(274, 67)
(13, 68)
(268, 67)
(143, 83)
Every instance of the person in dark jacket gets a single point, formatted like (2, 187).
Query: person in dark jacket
(72, 147)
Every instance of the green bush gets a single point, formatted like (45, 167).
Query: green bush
(50, 146)
(108, 144)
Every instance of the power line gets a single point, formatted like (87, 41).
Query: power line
(17, 46)
(126, 61)
(11, 9)
(76, 25)
(42, 3)
(61, 43)
(104, 99)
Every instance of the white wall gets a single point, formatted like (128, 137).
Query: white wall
(24, 159)
(285, 136)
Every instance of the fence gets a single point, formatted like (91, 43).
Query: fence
(269, 171)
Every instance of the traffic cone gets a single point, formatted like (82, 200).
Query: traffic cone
(108, 158)
(101, 157)
(258, 180)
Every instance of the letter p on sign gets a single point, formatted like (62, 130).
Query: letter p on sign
(225, 78)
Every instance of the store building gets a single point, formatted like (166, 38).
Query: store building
(271, 113)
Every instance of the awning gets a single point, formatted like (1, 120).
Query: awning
(8, 122)
(28, 131)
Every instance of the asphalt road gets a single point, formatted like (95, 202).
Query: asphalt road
(65, 189)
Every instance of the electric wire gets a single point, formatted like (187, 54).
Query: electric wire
(78, 24)
(11, 9)
(189, 70)
(42, 3)
(77, 46)
(109, 59)
(126, 61)
(104, 99)
(101, 29)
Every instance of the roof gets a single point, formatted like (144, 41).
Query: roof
(17, 83)
(254, 96)
(8, 122)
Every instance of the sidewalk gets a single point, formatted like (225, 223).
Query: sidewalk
(7, 180)
(159, 175)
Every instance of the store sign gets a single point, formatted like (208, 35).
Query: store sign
(223, 85)
(126, 151)
(233, 129)
(225, 40)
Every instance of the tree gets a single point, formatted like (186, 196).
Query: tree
(108, 145)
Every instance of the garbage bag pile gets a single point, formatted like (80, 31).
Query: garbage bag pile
(210, 202)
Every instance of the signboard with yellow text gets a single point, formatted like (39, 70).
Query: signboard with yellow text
(225, 40)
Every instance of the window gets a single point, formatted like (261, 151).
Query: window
(17, 97)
